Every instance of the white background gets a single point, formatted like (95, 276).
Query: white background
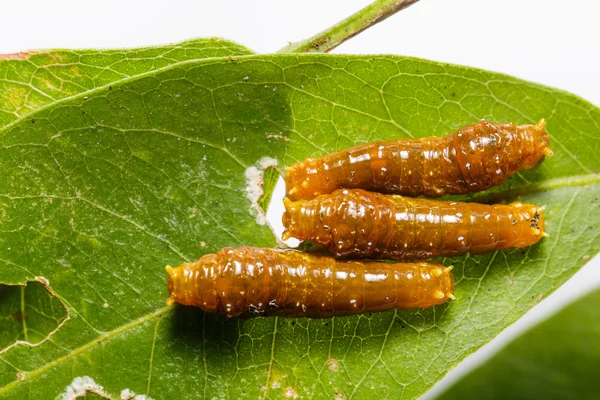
(553, 42)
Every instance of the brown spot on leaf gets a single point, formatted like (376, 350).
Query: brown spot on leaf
(23, 55)
(333, 365)
(19, 316)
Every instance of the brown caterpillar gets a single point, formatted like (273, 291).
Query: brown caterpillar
(248, 281)
(472, 159)
(360, 224)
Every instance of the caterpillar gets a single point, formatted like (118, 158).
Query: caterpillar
(249, 281)
(471, 159)
(360, 224)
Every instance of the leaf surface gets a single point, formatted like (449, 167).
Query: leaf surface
(33, 79)
(149, 171)
(28, 313)
(557, 359)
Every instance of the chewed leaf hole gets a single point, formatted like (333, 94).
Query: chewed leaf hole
(255, 186)
(29, 314)
(92, 396)
(265, 188)
(270, 178)
(86, 387)
(275, 213)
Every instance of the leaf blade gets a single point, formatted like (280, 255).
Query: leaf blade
(133, 193)
(34, 79)
(540, 362)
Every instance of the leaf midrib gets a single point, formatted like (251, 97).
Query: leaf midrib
(547, 185)
(75, 352)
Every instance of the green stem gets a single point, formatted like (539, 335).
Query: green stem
(332, 37)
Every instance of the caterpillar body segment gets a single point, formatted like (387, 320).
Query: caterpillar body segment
(471, 159)
(247, 282)
(359, 224)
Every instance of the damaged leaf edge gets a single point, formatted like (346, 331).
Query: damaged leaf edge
(46, 284)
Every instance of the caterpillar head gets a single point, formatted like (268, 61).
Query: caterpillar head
(298, 180)
(287, 218)
(299, 219)
(309, 179)
(307, 220)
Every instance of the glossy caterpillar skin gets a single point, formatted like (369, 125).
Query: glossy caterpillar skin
(472, 159)
(360, 224)
(248, 281)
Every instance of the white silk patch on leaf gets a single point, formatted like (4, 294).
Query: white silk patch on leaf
(84, 385)
(81, 386)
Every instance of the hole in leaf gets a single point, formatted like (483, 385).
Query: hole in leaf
(270, 178)
(28, 313)
(255, 186)
(275, 212)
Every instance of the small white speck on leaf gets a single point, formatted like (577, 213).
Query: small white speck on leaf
(128, 394)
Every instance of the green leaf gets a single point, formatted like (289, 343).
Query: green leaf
(557, 359)
(28, 313)
(34, 79)
(149, 171)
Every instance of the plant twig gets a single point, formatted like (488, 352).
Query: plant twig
(332, 37)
